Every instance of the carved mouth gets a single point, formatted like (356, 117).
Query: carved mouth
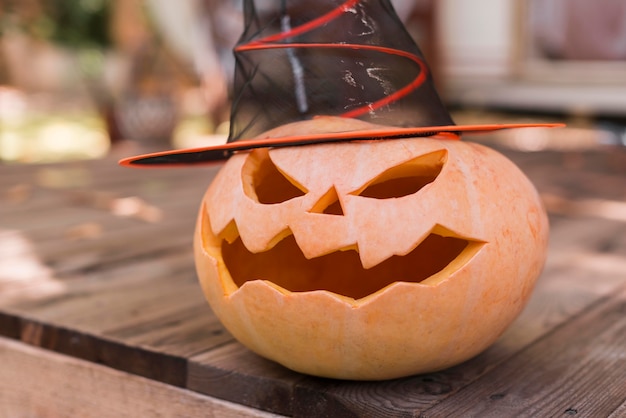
(433, 260)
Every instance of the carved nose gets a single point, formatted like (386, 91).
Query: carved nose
(329, 204)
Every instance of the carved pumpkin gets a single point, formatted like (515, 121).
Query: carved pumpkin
(369, 260)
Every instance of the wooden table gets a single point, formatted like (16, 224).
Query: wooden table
(101, 314)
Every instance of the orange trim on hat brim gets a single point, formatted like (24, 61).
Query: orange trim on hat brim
(218, 153)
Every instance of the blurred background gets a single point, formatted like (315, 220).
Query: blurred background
(82, 78)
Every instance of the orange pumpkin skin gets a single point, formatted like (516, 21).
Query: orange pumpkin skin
(340, 322)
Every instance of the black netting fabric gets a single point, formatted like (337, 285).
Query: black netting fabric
(298, 59)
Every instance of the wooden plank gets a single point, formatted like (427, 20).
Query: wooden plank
(141, 361)
(183, 333)
(26, 281)
(619, 412)
(111, 202)
(54, 233)
(76, 206)
(127, 311)
(592, 173)
(116, 298)
(160, 355)
(32, 198)
(9, 325)
(144, 317)
(562, 294)
(128, 301)
(100, 282)
(94, 173)
(394, 398)
(149, 242)
(583, 234)
(89, 233)
(577, 369)
(67, 256)
(97, 349)
(38, 383)
(232, 372)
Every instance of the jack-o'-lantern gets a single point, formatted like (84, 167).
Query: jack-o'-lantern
(369, 260)
(370, 243)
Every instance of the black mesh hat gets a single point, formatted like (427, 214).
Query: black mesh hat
(301, 59)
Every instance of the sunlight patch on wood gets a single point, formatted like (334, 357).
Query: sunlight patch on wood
(22, 271)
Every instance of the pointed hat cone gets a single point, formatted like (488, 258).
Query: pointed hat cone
(299, 59)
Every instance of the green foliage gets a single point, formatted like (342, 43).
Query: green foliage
(78, 23)
(73, 23)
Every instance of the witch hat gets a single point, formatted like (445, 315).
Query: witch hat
(299, 59)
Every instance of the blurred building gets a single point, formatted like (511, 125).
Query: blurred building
(565, 56)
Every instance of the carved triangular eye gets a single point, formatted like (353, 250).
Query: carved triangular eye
(265, 183)
(406, 178)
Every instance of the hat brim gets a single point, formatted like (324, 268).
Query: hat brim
(218, 153)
